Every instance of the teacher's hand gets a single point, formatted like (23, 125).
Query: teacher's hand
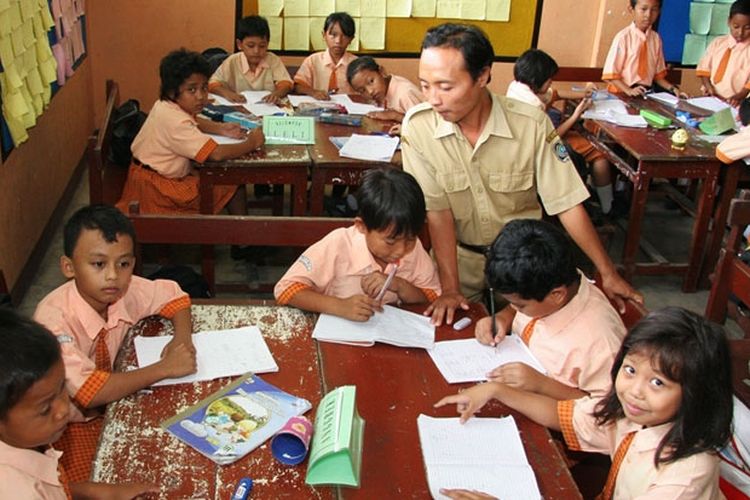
(445, 307)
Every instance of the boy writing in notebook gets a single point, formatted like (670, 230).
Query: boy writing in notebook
(724, 69)
(34, 412)
(90, 315)
(378, 260)
(253, 67)
(635, 61)
(567, 322)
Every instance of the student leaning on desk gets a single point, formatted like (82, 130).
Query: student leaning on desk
(635, 60)
(379, 260)
(34, 412)
(253, 67)
(663, 421)
(91, 314)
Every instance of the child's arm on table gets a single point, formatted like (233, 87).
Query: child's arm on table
(373, 283)
(388, 114)
(540, 409)
(254, 140)
(177, 362)
(737, 98)
(183, 331)
(227, 129)
(522, 376)
(674, 89)
(227, 93)
(707, 88)
(104, 491)
(638, 90)
(355, 308)
(303, 88)
(572, 119)
(279, 92)
(503, 320)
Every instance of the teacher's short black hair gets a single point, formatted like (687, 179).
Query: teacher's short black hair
(391, 198)
(471, 41)
(176, 67)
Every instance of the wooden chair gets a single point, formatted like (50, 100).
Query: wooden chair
(254, 230)
(105, 182)
(731, 276)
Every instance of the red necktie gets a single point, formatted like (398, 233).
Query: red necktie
(332, 81)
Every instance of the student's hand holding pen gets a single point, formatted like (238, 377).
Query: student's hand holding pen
(357, 308)
(232, 96)
(178, 362)
(637, 91)
(272, 98)
(503, 323)
(320, 95)
(232, 129)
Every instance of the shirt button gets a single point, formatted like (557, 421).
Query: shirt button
(485, 219)
(480, 190)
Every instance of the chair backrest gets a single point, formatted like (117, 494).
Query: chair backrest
(732, 276)
(97, 151)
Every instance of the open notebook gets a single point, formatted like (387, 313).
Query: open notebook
(467, 360)
(484, 454)
(392, 326)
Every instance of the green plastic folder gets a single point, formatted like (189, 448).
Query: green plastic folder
(655, 119)
(336, 453)
(289, 129)
(718, 123)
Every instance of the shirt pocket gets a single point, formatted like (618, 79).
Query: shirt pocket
(456, 186)
(512, 182)
(513, 192)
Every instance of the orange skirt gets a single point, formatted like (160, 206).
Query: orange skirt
(582, 146)
(78, 444)
(157, 194)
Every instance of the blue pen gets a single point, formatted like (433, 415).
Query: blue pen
(243, 489)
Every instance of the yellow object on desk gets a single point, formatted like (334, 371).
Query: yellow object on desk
(680, 139)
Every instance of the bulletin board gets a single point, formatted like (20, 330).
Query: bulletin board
(403, 35)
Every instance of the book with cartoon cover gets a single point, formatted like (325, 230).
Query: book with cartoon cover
(232, 422)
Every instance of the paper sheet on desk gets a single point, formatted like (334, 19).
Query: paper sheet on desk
(354, 108)
(484, 454)
(709, 103)
(614, 111)
(220, 353)
(370, 147)
(222, 139)
(664, 98)
(252, 103)
(467, 360)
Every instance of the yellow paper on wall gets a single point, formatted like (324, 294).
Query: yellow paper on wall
(6, 51)
(14, 11)
(351, 7)
(296, 33)
(372, 8)
(16, 39)
(4, 4)
(450, 9)
(48, 70)
(28, 9)
(372, 33)
(473, 9)
(296, 8)
(423, 8)
(354, 45)
(16, 105)
(4, 23)
(27, 31)
(271, 8)
(34, 82)
(321, 8)
(276, 26)
(498, 10)
(15, 127)
(398, 8)
(12, 79)
(316, 33)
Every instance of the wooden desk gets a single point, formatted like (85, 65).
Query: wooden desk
(394, 386)
(649, 156)
(271, 164)
(330, 168)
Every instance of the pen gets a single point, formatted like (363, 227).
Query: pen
(387, 283)
(492, 313)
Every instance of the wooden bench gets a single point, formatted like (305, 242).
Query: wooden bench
(586, 74)
(732, 276)
(105, 180)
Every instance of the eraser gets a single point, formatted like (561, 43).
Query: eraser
(462, 323)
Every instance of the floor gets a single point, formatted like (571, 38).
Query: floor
(664, 226)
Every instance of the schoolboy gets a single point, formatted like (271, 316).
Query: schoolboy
(34, 412)
(253, 67)
(567, 322)
(724, 69)
(344, 273)
(636, 59)
(483, 160)
(90, 315)
(532, 84)
(737, 146)
(325, 72)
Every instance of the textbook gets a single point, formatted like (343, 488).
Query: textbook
(467, 360)
(392, 326)
(232, 422)
(484, 454)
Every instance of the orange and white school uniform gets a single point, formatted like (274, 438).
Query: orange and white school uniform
(319, 72)
(576, 344)
(235, 74)
(161, 176)
(735, 147)
(579, 144)
(89, 345)
(402, 94)
(336, 264)
(634, 474)
(26, 473)
(635, 57)
(727, 64)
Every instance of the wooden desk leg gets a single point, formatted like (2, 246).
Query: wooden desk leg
(208, 260)
(317, 191)
(641, 184)
(299, 197)
(727, 188)
(700, 228)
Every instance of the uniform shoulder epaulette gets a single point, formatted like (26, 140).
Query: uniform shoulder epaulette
(514, 106)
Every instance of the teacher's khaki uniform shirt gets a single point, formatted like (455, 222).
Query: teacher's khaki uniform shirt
(517, 158)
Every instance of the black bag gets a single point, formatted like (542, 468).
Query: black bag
(215, 56)
(126, 123)
(191, 282)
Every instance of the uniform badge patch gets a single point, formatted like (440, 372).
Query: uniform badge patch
(561, 151)
(551, 136)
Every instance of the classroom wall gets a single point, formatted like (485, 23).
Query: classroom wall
(37, 172)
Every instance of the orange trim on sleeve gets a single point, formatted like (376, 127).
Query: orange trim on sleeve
(214, 85)
(611, 76)
(722, 157)
(702, 72)
(430, 294)
(747, 85)
(204, 152)
(173, 307)
(661, 74)
(565, 415)
(91, 387)
(292, 290)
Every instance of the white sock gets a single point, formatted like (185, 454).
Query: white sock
(605, 197)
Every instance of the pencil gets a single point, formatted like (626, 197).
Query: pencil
(387, 283)
(492, 314)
